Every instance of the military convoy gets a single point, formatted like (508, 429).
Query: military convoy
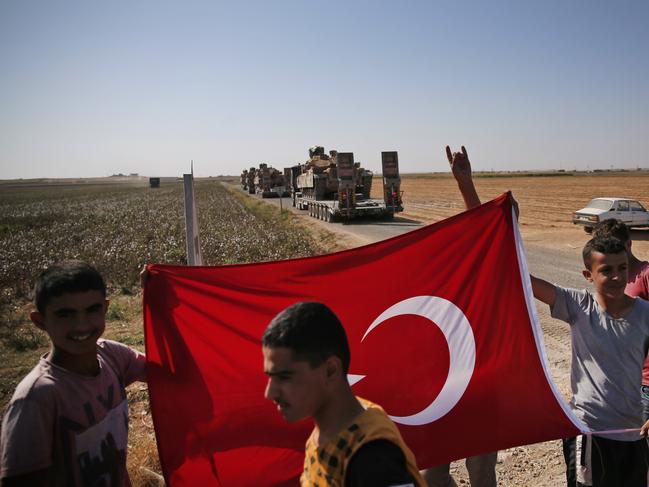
(267, 181)
(333, 186)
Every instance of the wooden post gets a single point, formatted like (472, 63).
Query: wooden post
(194, 256)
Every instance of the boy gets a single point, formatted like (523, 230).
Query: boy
(610, 337)
(67, 422)
(354, 443)
(637, 285)
(638, 272)
(481, 468)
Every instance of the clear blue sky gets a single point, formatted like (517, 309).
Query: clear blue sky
(90, 88)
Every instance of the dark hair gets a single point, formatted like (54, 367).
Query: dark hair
(312, 331)
(604, 245)
(70, 276)
(612, 228)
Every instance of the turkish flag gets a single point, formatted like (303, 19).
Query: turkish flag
(443, 334)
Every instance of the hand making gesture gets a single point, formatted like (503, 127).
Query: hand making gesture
(461, 168)
(460, 164)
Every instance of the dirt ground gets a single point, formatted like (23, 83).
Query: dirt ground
(546, 207)
(546, 203)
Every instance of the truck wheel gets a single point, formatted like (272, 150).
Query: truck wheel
(588, 230)
(327, 216)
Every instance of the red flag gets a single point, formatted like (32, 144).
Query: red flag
(442, 329)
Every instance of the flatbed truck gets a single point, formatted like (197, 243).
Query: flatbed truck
(348, 203)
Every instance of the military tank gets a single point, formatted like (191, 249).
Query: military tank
(269, 182)
(244, 180)
(319, 178)
(250, 180)
(333, 186)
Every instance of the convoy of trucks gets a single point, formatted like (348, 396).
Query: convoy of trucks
(331, 186)
(264, 180)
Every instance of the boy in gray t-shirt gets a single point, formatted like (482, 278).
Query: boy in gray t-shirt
(610, 337)
(606, 352)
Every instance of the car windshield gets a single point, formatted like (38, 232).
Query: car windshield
(600, 204)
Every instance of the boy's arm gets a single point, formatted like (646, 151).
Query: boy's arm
(39, 478)
(461, 168)
(544, 290)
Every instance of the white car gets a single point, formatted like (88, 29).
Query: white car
(599, 209)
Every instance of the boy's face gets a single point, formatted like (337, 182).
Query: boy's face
(608, 273)
(74, 321)
(293, 385)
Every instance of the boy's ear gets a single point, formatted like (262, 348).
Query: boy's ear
(333, 367)
(587, 275)
(38, 319)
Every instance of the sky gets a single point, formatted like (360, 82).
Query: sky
(90, 88)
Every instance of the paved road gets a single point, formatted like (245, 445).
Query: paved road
(558, 266)
(366, 229)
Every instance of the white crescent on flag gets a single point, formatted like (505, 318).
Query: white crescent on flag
(461, 345)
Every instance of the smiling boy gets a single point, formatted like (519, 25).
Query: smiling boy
(354, 443)
(67, 422)
(610, 338)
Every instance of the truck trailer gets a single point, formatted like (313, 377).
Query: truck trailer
(334, 187)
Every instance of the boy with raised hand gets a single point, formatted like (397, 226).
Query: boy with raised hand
(354, 443)
(610, 338)
(67, 422)
(481, 468)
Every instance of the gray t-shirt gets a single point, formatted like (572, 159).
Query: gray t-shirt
(607, 359)
(75, 424)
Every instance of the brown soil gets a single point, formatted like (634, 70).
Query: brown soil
(546, 203)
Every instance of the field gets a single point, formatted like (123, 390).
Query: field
(118, 227)
(546, 203)
(122, 225)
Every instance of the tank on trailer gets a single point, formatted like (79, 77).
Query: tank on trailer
(336, 186)
(250, 185)
(244, 179)
(269, 182)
